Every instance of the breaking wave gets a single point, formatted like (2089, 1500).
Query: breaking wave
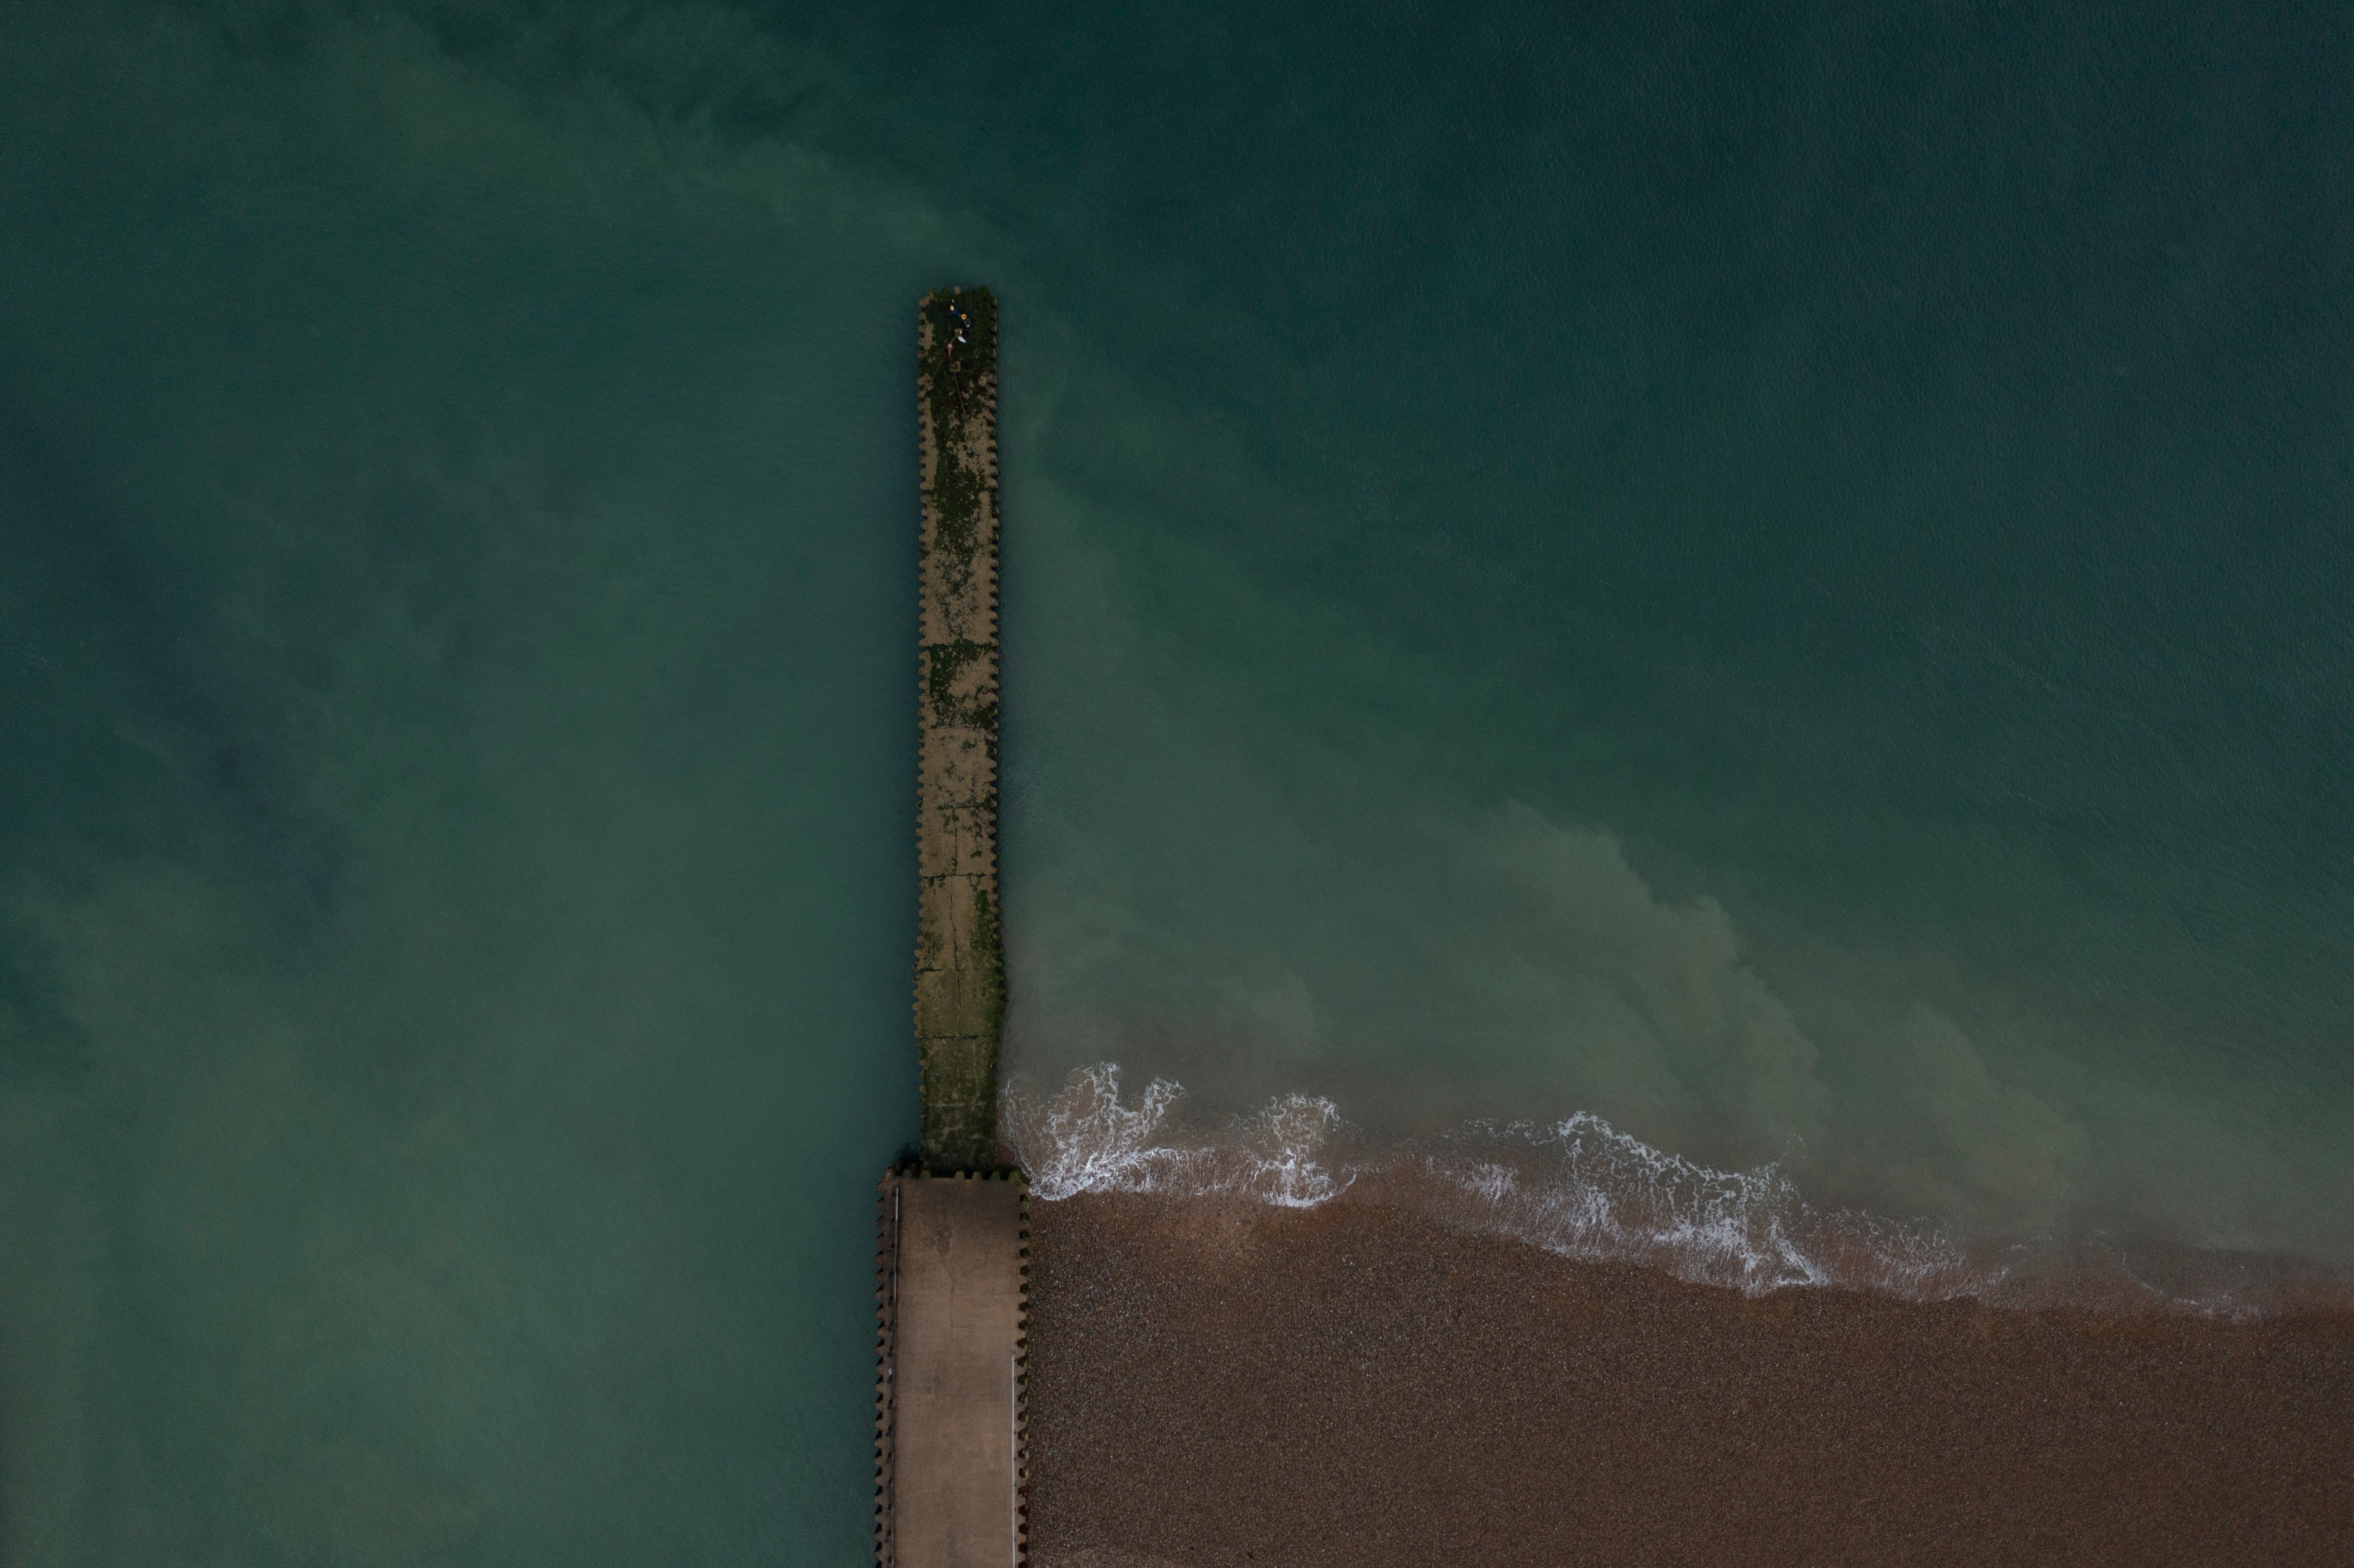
(1085, 1140)
(1583, 1189)
(1578, 1187)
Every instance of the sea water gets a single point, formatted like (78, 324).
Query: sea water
(1722, 630)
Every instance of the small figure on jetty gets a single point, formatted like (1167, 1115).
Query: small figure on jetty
(962, 321)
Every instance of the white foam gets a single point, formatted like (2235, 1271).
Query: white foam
(1583, 1189)
(1085, 1140)
(1578, 1187)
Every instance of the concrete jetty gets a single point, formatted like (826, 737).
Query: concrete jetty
(953, 1226)
(950, 1303)
(959, 973)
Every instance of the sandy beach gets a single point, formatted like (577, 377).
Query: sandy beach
(1215, 1382)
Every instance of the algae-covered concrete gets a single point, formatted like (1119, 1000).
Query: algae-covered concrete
(959, 974)
(950, 1304)
(949, 1438)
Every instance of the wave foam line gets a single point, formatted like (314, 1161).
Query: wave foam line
(1583, 1189)
(1085, 1140)
(1578, 1187)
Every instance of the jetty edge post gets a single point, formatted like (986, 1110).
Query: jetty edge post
(959, 965)
(953, 1226)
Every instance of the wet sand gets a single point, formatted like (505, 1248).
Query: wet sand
(1212, 1383)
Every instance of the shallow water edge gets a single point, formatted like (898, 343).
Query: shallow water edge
(1579, 1189)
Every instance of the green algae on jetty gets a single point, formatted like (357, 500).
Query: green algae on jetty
(960, 969)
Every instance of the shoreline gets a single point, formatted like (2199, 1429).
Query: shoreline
(1582, 1191)
(1217, 1380)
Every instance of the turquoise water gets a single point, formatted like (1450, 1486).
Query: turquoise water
(1775, 580)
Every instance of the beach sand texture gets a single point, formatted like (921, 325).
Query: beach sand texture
(1219, 1382)
(959, 973)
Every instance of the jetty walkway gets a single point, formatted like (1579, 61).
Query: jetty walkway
(952, 1225)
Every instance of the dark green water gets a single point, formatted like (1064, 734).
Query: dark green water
(1772, 575)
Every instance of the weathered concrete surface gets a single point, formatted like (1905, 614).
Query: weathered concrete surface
(959, 974)
(950, 1309)
(948, 1439)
